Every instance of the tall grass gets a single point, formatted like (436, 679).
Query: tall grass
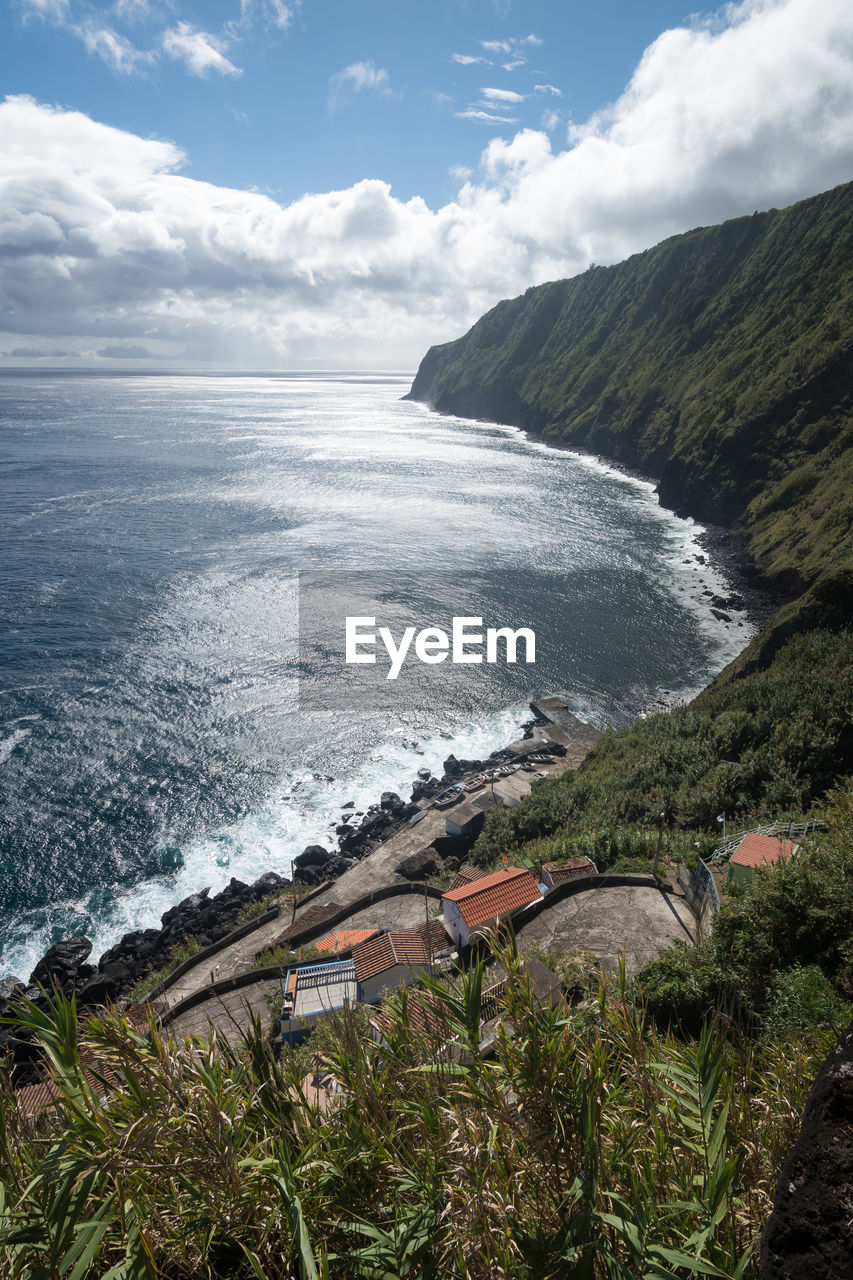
(589, 1145)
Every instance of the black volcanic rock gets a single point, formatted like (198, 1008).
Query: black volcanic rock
(418, 866)
(62, 961)
(391, 802)
(809, 1234)
(314, 855)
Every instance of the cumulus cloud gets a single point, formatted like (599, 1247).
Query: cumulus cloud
(104, 242)
(353, 79)
(548, 89)
(199, 51)
(466, 60)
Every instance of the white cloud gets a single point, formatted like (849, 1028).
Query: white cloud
(497, 46)
(477, 113)
(548, 89)
(50, 10)
(131, 10)
(501, 95)
(105, 243)
(113, 49)
(531, 39)
(272, 13)
(550, 120)
(198, 50)
(354, 79)
(466, 60)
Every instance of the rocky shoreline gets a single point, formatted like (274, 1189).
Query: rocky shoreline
(208, 919)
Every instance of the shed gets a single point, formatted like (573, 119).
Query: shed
(554, 873)
(754, 851)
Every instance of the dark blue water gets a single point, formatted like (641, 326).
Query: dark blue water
(152, 736)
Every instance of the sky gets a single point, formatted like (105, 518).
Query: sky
(309, 184)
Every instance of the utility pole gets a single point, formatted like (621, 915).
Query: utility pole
(660, 841)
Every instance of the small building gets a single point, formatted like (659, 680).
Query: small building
(343, 939)
(554, 873)
(486, 902)
(754, 851)
(311, 992)
(389, 960)
(466, 875)
(467, 818)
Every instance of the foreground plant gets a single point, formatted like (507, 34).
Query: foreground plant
(588, 1145)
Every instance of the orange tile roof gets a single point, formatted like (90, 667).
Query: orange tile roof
(495, 895)
(343, 939)
(571, 869)
(411, 947)
(756, 851)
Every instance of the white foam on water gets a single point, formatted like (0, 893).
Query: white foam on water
(8, 745)
(297, 814)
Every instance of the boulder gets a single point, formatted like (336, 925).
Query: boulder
(62, 961)
(106, 985)
(8, 987)
(270, 882)
(809, 1234)
(185, 908)
(391, 802)
(418, 866)
(314, 855)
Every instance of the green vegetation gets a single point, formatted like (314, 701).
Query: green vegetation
(780, 957)
(717, 362)
(590, 1144)
(183, 951)
(766, 746)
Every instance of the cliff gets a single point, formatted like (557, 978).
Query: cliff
(717, 362)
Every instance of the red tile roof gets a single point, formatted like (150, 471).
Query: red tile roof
(571, 869)
(756, 851)
(494, 896)
(343, 939)
(411, 947)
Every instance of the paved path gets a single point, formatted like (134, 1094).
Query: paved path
(227, 963)
(226, 1014)
(632, 920)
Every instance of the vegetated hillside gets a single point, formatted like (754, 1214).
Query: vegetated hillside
(717, 362)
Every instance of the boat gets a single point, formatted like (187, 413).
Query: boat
(446, 798)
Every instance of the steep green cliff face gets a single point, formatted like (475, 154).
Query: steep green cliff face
(718, 362)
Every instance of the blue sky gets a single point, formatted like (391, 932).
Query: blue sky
(284, 122)
(274, 184)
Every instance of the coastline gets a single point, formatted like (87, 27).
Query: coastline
(199, 914)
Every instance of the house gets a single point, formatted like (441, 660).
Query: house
(311, 992)
(475, 907)
(754, 851)
(385, 962)
(343, 939)
(554, 873)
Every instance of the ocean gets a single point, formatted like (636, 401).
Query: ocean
(176, 553)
